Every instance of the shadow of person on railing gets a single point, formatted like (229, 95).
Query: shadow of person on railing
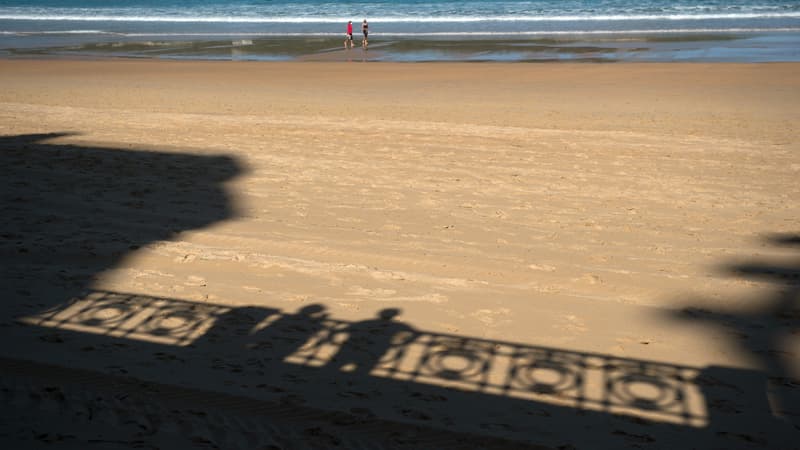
(71, 212)
(368, 342)
(751, 404)
(264, 335)
(285, 336)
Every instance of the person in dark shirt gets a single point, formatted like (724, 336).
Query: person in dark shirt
(365, 32)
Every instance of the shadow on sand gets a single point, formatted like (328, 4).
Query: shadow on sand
(83, 367)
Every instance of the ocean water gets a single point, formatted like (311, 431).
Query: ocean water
(38, 24)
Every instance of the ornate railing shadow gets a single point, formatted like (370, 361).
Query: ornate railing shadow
(387, 349)
(131, 316)
(657, 391)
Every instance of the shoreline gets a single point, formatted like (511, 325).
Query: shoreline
(774, 46)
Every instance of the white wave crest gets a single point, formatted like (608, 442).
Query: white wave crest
(400, 19)
(424, 34)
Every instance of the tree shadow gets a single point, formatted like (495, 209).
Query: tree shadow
(765, 334)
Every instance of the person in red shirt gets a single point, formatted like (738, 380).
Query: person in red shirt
(348, 39)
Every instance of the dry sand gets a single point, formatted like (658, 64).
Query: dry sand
(587, 255)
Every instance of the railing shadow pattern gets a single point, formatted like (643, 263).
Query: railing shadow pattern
(385, 348)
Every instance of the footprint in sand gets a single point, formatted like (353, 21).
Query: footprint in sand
(573, 323)
(185, 258)
(194, 280)
(542, 267)
(591, 279)
(415, 414)
(490, 317)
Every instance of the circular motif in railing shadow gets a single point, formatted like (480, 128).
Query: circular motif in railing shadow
(175, 322)
(645, 392)
(456, 363)
(547, 376)
(106, 315)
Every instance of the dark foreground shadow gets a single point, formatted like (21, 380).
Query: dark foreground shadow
(87, 208)
(84, 368)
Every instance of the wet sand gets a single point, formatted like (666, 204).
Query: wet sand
(758, 47)
(515, 224)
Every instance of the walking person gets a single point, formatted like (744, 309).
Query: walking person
(365, 32)
(348, 39)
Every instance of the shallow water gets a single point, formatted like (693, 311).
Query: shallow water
(409, 30)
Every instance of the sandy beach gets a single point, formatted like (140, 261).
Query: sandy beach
(387, 255)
